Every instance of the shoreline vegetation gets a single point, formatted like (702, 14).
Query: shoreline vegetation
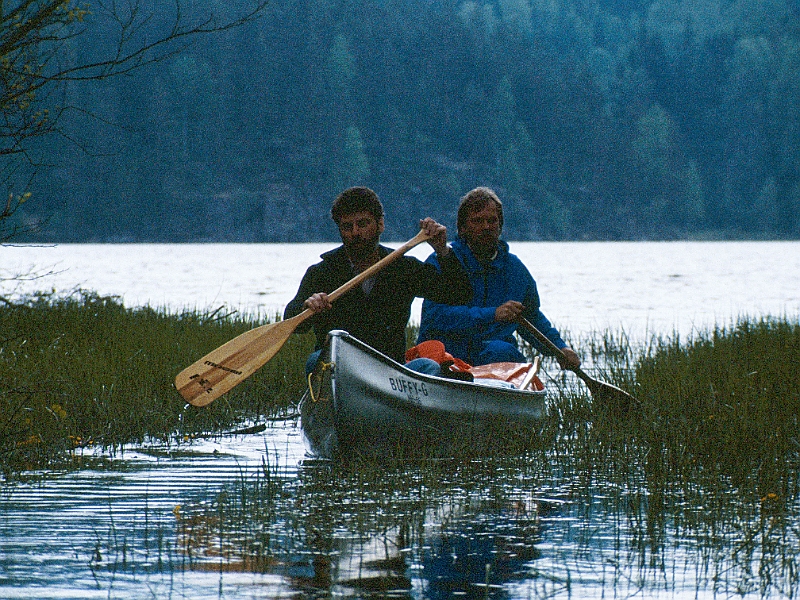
(614, 120)
(84, 372)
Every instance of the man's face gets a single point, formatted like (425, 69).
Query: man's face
(481, 230)
(360, 233)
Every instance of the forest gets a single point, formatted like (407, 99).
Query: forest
(592, 119)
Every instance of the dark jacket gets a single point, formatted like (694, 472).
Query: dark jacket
(378, 318)
(464, 329)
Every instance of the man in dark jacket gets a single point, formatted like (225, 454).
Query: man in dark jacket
(377, 311)
(482, 332)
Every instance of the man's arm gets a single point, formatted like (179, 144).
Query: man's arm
(308, 287)
(442, 278)
(509, 312)
(455, 318)
(447, 283)
(450, 311)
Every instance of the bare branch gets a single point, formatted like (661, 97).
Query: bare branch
(37, 38)
(124, 62)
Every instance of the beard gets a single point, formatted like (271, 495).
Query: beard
(361, 249)
(483, 245)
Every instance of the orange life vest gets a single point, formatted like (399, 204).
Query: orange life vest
(504, 371)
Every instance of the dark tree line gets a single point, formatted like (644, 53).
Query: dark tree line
(593, 119)
(51, 50)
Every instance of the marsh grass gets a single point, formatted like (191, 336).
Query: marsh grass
(708, 460)
(710, 451)
(266, 519)
(83, 370)
(666, 484)
(361, 524)
(726, 402)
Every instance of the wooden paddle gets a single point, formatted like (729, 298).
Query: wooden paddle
(599, 389)
(233, 362)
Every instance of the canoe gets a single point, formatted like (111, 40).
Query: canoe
(360, 401)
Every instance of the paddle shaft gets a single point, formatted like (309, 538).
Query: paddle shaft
(220, 370)
(555, 350)
(369, 272)
(365, 274)
(600, 389)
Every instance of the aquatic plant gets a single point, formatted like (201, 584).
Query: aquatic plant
(726, 400)
(83, 370)
(373, 525)
(709, 453)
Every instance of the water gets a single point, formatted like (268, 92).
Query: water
(251, 516)
(638, 287)
(111, 528)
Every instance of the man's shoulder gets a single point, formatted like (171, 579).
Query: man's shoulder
(504, 252)
(332, 257)
(512, 261)
(334, 254)
(330, 260)
(461, 250)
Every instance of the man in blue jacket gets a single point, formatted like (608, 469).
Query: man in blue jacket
(482, 331)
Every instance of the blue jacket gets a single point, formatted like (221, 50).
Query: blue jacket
(463, 329)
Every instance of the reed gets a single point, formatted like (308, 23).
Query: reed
(717, 414)
(726, 401)
(83, 370)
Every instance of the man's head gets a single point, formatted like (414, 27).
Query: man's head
(480, 221)
(358, 213)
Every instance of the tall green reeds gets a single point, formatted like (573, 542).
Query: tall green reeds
(85, 370)
(726, 401)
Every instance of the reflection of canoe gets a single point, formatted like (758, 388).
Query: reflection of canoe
(360, 400)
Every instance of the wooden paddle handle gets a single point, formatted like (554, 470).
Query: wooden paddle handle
(367, 273)
(541, 337)
(233, 362)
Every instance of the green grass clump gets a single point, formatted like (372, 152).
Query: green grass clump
(727, 401)
(85, 370)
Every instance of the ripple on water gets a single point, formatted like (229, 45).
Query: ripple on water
(84, 533)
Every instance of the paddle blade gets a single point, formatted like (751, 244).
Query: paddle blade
(607, 393)
(230, 364)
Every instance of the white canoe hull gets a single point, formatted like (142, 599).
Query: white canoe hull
(360, 400)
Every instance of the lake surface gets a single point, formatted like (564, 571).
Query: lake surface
(252, 516)
(638, 287)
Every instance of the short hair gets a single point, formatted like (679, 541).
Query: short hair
(356, 199)
(477, 199)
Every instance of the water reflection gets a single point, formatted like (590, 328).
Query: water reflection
(251, 516)
(478, 554)
(419, 531)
